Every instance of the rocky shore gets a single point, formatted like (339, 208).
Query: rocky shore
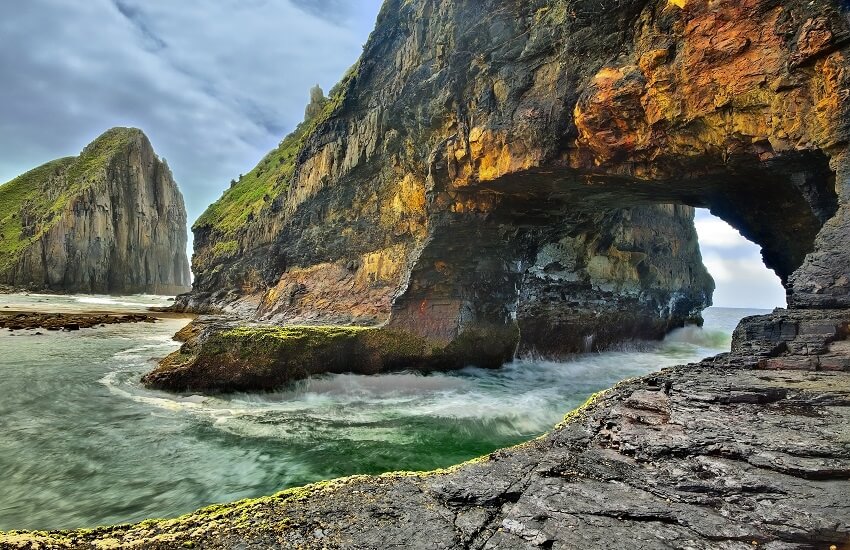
(68, 321)
(733, 453)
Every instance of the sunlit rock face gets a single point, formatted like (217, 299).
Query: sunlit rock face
(109, 221)
(527, 170)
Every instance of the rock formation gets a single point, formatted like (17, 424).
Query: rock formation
(111, 220)
(472, 132)
(493, 178)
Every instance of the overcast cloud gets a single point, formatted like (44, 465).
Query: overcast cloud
(214, 84)
(737, 267)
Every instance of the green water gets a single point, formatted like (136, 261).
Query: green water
(83, 444)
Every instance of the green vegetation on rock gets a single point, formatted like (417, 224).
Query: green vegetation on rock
(24, 193)
(31, 203)
(248, 196)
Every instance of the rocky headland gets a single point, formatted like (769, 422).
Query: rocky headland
(521, 179)
(110, 221)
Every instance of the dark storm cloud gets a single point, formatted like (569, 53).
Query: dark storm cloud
(214, 84)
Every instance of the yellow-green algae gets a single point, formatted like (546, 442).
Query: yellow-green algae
(303, 339)
(238, 515)
(43, 193)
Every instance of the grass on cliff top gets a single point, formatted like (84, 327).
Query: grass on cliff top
(42, 193)
(248, 196)
(26, 188)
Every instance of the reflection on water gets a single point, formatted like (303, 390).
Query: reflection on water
(85, 444)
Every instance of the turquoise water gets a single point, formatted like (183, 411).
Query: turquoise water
(83, 444)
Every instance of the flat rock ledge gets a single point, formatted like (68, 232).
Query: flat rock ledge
(737, 452)
(68, 321)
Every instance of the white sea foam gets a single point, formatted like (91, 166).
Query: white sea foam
(524, 397)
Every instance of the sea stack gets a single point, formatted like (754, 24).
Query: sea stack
(111, 220)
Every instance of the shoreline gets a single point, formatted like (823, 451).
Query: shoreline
(744, 449)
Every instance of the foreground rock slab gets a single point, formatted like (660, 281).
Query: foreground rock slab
(693, 457)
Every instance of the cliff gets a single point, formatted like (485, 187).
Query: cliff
(497, 177)
(111, 220)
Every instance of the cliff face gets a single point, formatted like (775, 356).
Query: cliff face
(522, 173)
(109, 221)
(442, 170)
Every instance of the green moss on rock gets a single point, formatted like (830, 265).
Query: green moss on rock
(32, 203)
(16, 197)
(264, 358)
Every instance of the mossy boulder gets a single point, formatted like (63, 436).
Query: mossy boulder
(265, 358)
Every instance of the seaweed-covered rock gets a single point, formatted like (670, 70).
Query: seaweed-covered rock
(257, 358)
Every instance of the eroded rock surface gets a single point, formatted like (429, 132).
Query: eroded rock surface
(530, 169)
(703, 456)
(109, 221)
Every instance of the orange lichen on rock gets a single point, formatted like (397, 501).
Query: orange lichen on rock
(730, 87)
(487, 155)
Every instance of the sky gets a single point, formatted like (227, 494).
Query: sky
(737, 267)
(215, 84)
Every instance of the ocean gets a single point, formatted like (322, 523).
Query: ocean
(84, 444)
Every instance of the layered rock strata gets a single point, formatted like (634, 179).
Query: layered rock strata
(111, 220)
(525, 172)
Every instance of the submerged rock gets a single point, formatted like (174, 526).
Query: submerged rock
(68, 321)
(111, 220)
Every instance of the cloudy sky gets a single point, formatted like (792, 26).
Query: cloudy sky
(215, 84)
(736, 265)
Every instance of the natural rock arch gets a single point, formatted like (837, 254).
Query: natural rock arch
(494, 174)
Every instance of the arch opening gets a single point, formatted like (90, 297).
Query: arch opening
(580, 262)
(741, 278)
